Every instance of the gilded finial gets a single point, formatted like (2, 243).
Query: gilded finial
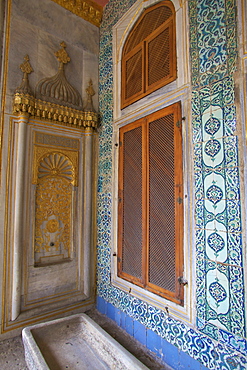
(90, 93)
(62, 54)
(26, 68)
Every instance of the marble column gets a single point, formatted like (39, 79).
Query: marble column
(87, 223)
(18, 216)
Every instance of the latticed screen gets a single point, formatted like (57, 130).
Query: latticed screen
(134, 75)
(132, 203)
(154, 65)
(162, 203)
(158, 57)
(153, 18)
(150, 227)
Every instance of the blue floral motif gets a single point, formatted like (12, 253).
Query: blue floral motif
(216, 242)
(214, 194)
(217, 291)
(212, 126)
(212, 148)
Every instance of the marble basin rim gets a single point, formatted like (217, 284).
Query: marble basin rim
(75, 342)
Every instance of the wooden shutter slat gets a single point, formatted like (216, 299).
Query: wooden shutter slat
(133, 76)
(165, 250)
(131, 199)
(162, 204)
(160, 58)
(158, 50)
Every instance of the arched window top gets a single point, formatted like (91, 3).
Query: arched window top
(151, 19)
(149, 53)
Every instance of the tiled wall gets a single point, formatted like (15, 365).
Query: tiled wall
(218, 340)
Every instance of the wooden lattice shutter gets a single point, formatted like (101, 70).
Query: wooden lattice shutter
(150, 219)
(149, 53)
(130, 225)
(133, 70)
(150, 20)
(160, 56)
(165, 219)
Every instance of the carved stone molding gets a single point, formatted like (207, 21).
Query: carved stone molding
(24, 103)
(65, 113)
(86, 9)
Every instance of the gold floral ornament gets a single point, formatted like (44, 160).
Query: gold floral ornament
(53, 206)
(53, 209)
(52, 226)
(86, 9)
(56, 164)
(26, 66)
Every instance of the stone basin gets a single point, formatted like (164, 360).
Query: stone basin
(74, 342)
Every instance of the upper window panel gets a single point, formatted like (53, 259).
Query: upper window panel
(149, 53)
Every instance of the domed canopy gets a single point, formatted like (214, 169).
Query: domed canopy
(57, 89)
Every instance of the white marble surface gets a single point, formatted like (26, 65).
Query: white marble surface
(75, 342)
(37, 28)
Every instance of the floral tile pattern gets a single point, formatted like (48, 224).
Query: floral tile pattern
(218, 340)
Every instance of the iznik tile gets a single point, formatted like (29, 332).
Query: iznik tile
(218, 238)
(213, 154)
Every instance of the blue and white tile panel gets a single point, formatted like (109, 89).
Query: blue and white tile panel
(219, 339)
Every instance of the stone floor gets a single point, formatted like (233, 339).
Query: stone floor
(12, 352)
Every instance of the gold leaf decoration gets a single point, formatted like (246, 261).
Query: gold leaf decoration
(56, 164)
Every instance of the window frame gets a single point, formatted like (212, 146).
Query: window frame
(177, 90)
(177, 295)
(147, 89)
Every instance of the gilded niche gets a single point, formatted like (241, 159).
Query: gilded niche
(53, 208)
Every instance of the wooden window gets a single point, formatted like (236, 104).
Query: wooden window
(149, 53)
(150, 211)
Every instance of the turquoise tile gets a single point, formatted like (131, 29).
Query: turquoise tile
(129, 325)
(140, 332)
(110, 311)
(170, 354)
(187, 362)
(154, 342)
(101, 305)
